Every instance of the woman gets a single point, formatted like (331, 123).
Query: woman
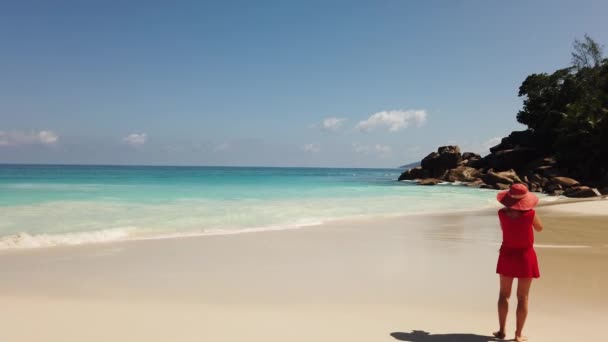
(517, 258)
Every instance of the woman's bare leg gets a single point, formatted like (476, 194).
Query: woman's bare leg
(523, 289)
(503, 304)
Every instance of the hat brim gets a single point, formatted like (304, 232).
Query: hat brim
(529, 201)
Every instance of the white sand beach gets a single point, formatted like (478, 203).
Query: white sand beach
(360, 280)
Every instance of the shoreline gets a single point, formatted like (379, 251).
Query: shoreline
(25, 241)
(359, 280)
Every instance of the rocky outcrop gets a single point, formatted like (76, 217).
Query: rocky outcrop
(438, 163)
(514, 160)
(516, 139)
(470, 156)
(414, 173)
(581, 192)
(505, 178)
(462, 174)
(564, 182)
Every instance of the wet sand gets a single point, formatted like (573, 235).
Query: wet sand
(359, 280)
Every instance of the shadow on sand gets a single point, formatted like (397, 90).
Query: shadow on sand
(423, 336)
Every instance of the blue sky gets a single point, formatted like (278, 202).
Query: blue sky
(272, 83)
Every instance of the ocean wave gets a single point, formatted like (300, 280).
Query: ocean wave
(213, 232)
(25, 240)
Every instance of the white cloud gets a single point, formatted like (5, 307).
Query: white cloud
(332, 124)
(136, 139)
(15, 138)
(395, 120)
(361, 148)
(313, 148)
(382, 150)
(47, 137)
(222, 147)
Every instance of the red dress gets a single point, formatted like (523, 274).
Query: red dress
(517, 257)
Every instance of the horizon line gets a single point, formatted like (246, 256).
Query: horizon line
(193, 165)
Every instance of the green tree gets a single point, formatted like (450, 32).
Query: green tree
(587, 53)
(568, 112)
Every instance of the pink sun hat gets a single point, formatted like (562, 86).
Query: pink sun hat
(517, 197)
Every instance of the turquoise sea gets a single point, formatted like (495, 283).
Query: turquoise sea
(47, 205)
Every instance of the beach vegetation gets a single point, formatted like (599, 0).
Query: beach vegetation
(567, 111)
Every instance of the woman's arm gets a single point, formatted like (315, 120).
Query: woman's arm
(537, 224)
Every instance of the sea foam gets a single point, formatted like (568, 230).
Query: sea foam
(25, 240)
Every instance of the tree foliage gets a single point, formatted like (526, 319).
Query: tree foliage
(587, 53)
(568, 112)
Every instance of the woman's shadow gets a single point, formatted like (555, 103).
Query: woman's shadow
(423, 336)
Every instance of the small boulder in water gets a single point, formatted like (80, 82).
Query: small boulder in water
(429, 181)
